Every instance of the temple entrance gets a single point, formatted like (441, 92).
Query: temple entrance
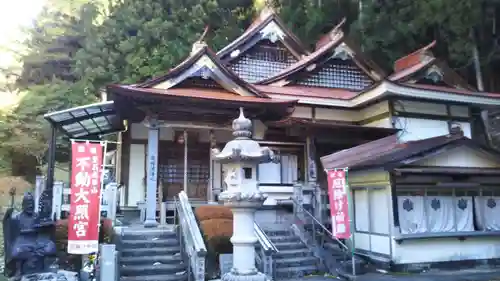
(183, 164)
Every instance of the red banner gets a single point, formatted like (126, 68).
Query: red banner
(339, 208)
(84, 214)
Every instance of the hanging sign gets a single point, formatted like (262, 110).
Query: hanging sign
(84, 217)
(339, 208)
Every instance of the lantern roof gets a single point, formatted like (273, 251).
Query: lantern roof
(243, 148)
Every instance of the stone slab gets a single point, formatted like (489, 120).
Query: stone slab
(61, 275)
(225, 263)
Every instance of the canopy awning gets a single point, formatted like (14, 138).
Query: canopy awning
(88, 121)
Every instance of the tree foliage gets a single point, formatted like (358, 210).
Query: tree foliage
(75, 47)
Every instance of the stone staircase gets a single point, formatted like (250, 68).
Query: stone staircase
(294, 258)
(150, 254)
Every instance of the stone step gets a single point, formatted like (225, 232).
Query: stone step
(143, 234)
(335, 250)
(149, 243)
(150, 251)
(155, 269)
(296, 262)
(295, 272)
(171, 277)
(277, 233)
(293, 253)
(290, 246)
(285, 238)
(163, 259)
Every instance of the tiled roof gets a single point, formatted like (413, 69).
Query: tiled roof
(388, 152)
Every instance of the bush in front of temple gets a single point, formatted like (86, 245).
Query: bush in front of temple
(216, 225)
(74, 262)
(213, 212)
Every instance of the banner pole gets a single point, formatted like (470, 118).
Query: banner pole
(105, 146)
(351, 223)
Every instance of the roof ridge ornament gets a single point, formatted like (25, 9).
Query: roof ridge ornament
(267, 11)
(242, 126)
(200, 43)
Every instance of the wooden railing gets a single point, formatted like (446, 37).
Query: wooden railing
(192, 245)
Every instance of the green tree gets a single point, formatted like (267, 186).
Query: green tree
(144, 38)
(309, 20)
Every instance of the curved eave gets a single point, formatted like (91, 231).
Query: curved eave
(203, 98)
(297, 48)
(191, 60)
(364, 64)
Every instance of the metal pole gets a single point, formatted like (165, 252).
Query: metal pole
(351, 220)
(103, 165)
(51, 161)
(211, 176)
(185, 161)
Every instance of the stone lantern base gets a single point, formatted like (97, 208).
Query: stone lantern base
(235, 276)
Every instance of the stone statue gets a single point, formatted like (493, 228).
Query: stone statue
(27, 241)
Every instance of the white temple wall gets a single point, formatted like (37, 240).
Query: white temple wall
(372, 219)
(446, 249)
(461, 157)
(137, 168)
(372, 212)
(343, 115)
(416, 129)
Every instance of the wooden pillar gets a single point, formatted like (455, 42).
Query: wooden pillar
(312, 178)
(186, 162)
(152, 172)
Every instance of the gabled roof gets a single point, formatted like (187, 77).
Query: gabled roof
(334, 44)
(203, 64)
(423, 64)
(388, 153)
(267, 26)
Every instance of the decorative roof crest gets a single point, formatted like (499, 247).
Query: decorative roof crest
(200, 43)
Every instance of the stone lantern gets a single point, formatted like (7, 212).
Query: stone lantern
(241, 156)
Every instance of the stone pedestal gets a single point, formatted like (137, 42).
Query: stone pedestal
(242, 155)
(243, 207)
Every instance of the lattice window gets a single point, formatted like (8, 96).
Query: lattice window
(171, 170)
(198, 82)
(338, 74)
(263, 61)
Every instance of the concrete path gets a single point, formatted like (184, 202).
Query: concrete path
(461, 275)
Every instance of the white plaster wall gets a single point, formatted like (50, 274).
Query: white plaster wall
(302, 112)
(361, 211)
(374, 110)
(372, 220)
(136, 174)
(431, 108)
(417, 129)
(335, 114)
(348, 115)
(461, 157)
(382, 123)
(379, 207)
(446, 249)
(420, 107)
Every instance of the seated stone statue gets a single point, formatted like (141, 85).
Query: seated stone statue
(27, 242)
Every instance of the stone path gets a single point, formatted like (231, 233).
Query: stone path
(462, 275)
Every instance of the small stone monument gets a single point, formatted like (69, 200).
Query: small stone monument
(241, 156)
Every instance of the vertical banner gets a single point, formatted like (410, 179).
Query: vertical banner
(339, 208)
(84, 217)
